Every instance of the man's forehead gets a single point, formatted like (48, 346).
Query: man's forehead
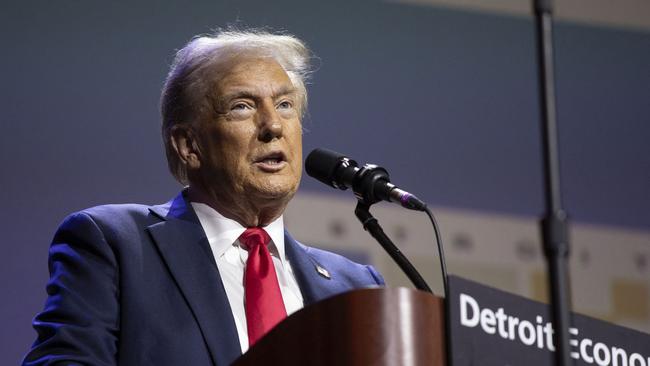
(259, 76)
(245, 67)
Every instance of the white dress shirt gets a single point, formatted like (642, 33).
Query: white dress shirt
(223, 234)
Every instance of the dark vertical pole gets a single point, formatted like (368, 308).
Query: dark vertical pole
(554, 224)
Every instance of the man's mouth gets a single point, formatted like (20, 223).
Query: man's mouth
(271, 162)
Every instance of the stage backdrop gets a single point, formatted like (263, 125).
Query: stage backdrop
(445, 99)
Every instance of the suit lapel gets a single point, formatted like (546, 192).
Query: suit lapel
(186, 251)
(314, 286)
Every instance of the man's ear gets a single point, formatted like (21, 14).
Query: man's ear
(186, 145)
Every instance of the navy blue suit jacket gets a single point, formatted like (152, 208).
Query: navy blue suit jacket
(138, 285)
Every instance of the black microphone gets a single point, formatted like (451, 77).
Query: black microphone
(370, 183)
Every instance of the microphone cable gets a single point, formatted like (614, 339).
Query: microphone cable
(441, 251)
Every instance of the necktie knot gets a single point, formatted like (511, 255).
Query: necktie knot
(254, 236)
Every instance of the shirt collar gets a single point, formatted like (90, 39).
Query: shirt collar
(222, 232)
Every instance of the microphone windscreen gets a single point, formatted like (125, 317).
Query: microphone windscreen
(322, 163)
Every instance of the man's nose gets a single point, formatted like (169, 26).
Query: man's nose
(269, 122)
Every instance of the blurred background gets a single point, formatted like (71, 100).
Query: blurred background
(442, 93)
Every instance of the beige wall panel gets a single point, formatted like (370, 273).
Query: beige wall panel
(610, 267)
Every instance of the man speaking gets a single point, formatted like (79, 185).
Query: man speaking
(198, 280)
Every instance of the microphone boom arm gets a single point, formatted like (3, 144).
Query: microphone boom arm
(371, 225)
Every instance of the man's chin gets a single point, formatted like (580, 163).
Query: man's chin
(276, 195)
(274, 192)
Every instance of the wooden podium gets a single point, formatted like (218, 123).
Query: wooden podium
(387, 326)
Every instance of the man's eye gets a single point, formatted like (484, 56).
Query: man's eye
(240, 107)
(285, 105)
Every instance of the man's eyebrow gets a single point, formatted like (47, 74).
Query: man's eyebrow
(285, 90)
(238, 94)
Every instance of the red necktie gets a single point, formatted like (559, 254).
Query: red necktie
(263, 299)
